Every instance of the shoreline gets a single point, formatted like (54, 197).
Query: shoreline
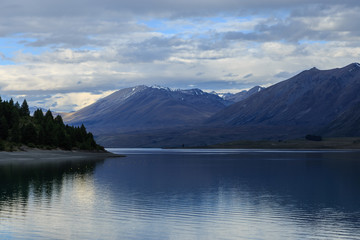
(39, 155)
(348, 143)
(294, 144)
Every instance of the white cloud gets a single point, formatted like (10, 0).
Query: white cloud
(71, 53)
(70, 101)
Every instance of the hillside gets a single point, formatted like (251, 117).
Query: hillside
(237, 97)
(144, 108)
(346, 124)
(324, 102)
(309, 100)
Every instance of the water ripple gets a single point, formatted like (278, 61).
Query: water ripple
(191, 196)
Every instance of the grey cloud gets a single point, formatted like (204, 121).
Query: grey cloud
(73, 23)
(248, 75)
(299, 25)
(293, 30)
(19, 97)
(117, 10)
(283, 75)
(230, 75)
(127, 45)
(65, 41)
(225, 85)
(67, 8)
(41, 94)
(156, 48)
(213, 42)
(210, 84)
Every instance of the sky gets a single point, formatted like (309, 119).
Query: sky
(64, 55)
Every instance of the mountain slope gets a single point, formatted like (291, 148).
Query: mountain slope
(315, 101)
(237, 97)
(143, 107)
(308, 100)
(346, 124)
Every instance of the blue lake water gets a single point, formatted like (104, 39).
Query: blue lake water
(185, 194)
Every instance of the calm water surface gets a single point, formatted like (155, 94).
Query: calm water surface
(185, 194)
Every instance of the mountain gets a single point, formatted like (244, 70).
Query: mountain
(304, 103)
(144, 108)
(324, 102)
(237, 97)
(34, 108)
(346, 124)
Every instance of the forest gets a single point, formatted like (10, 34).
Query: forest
(44, 131)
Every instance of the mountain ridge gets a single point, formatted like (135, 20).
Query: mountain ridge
(311, 102)
(237, 97)
(143, 107)
(312, 97)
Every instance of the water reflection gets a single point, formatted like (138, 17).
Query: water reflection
(185, 195)
(289, 195)
(310, 179)
(38, 182)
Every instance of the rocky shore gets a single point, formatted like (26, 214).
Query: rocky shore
(35, 155)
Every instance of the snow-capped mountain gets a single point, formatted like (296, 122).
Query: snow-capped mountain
(237, 97)
(315, 101)
(304, 103)
(143, 107)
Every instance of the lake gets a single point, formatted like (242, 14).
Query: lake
(185, 194)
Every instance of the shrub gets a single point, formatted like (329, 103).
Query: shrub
(313, 137)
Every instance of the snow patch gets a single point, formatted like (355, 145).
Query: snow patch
(160, 87)
(356, 66)
(130, 92)
(193, 92)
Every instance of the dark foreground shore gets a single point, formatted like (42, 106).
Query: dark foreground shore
(53, 155)
(327, 143)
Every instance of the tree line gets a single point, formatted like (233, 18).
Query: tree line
(41, 130)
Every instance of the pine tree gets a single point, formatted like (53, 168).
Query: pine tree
(48, 116)
(17, 105)
(29, 134)
(4, 128)
(58, 119)
(17, 126)
(39, 116)
(24, 109)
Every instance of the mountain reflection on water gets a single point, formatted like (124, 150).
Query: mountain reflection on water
(25, 183)
(185, 195)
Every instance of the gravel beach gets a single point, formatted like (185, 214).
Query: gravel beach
(37, 155)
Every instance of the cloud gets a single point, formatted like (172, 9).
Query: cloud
(335, 24)
(153, 49)
(248, 75)
(70, 53)
(283, 75)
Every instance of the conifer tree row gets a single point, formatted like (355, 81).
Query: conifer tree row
(18, 127)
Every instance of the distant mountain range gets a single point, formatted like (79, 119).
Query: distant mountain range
(144, 108)
(312, 99)
(34, 108)
(325, 102)
(237, 97)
